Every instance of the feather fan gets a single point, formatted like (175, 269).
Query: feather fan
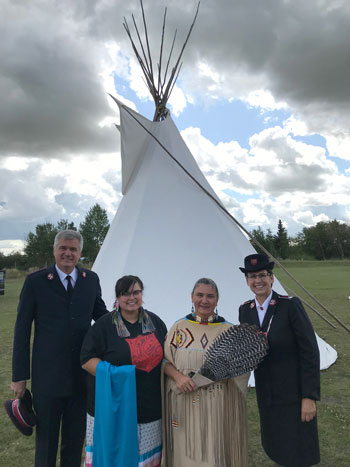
(236, 351)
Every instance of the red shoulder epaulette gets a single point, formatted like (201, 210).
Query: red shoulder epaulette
(284, 296)
(248, 301)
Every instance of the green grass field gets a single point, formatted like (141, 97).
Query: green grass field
(328, 281)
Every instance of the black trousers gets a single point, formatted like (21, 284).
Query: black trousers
(53, 414)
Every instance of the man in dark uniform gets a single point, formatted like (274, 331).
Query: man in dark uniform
(61, 300)
(288, 379)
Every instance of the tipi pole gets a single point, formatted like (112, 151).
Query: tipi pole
(160, 92)
(289, 290)
(220, 205)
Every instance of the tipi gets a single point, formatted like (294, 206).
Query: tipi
(167, 230)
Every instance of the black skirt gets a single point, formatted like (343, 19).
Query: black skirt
(286, 439)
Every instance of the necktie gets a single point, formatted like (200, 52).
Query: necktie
(69, 286)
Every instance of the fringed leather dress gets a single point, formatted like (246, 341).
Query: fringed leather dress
(207, 427)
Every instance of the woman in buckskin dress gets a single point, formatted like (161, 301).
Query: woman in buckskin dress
(204, 426)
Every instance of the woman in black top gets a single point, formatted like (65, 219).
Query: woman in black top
(288, 379)
(131, 335)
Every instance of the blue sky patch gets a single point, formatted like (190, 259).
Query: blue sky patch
(224, 121)
(240, 196)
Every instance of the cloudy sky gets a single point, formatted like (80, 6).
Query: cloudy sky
(262, 102)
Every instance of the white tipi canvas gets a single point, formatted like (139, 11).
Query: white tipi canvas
(169, 232)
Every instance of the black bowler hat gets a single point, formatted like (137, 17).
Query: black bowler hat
(257, 262)
(21, 413)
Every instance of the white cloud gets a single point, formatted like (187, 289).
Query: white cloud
(296, 126)
(339, 145)
(264, 99)
(280, 174)
(15, 163)
(254, 213)
(46, 191)
(11, 246)
(57, 141)
(177, 101)
(308, 219)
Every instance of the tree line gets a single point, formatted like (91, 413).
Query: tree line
(325, 240)
(39, 244)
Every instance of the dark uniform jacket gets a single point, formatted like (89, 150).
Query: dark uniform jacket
(291, 370)
(59, 329)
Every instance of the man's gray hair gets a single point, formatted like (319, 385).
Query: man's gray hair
(68, 235)
(206, 281)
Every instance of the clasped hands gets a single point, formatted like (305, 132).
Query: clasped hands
(185, 383)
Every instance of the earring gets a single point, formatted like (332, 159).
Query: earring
(192, 311)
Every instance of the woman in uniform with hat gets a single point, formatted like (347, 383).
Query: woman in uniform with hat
(288, 379)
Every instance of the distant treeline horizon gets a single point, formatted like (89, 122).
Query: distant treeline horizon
(323, 241)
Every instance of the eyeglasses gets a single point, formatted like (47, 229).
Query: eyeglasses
(262, 275)
(134, 293)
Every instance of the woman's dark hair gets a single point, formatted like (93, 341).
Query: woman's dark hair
(269, 271)
(124, 283)
(206, 281)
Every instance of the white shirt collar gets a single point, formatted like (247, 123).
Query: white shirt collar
(262, 308)
(62, 275)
